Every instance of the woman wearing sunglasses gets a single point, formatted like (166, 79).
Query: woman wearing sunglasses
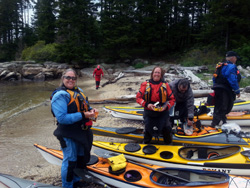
(70, 107)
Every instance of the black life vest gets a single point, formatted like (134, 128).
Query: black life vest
(218, 77)
(162, 93)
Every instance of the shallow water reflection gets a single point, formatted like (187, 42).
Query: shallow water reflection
(18, 96)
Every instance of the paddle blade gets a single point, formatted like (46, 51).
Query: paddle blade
(87, 177)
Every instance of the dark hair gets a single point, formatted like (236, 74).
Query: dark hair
(184, 83)
(162, 72)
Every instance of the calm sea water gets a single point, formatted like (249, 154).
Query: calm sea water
(19, 96)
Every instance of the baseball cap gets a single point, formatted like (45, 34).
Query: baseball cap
(232, 53)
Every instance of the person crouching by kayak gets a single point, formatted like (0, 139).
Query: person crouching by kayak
(97, 74)
(184, 101)
(156, 117)
(72, 111)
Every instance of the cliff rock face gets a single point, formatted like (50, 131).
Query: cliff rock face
(30, 70)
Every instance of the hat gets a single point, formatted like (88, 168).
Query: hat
(232, 53)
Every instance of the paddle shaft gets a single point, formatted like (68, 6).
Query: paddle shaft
(167, 174)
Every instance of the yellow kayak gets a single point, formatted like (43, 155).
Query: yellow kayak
(228, 159)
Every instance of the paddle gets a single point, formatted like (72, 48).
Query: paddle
(88, 177)
(106, 154)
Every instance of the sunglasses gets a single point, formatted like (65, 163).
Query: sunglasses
(69, 77)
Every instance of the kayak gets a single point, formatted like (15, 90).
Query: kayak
(126, 114)
(216, 138)
(143, 175)
(55, 157)
(8, 181)
(228, 159)
(127, 108)
(239, 118)
(206, 119)
(238, 105)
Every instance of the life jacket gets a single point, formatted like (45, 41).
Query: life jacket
(218, 77)
(78, 101)
(162, 93)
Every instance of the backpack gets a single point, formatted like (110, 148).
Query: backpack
(217, 76)
(201, 110)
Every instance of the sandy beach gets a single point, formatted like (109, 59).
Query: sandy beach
(20, 158)
(18, 134)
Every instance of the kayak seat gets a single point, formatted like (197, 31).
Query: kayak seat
(213, 155)
(132, 176)
(165, 180)
(190, 154)
(202, 153)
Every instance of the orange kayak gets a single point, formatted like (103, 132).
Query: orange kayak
(135, 175)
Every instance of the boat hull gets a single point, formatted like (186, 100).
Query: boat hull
(206, 119)
(233, 163)
(147, 175)
(216, 139)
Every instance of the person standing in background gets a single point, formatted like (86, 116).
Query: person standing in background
(97, 74)
(226, 86)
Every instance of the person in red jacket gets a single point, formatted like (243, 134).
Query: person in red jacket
(98, 73)
(157, 98)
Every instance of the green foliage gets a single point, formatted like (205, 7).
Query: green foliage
(245, 82)
(244, 53)
(139, 65)
(45, 20)
(200, 56)
(40, 52)
(78, 32)
(117, 30)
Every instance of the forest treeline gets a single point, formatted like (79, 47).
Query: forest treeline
(84, 31)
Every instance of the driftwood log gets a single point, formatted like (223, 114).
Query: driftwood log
(125, 99)
(114, 80)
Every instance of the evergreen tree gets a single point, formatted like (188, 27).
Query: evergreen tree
(117, 26)
(77, 31)
(45, 20)
(227, 24)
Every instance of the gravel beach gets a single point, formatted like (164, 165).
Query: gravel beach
(18, 134)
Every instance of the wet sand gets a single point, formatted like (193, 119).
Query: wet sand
(20, 158)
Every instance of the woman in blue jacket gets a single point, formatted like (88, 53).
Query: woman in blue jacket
(73, 113)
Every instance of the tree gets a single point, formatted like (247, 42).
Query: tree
(45, 20)
(77, 31)
(227, 24)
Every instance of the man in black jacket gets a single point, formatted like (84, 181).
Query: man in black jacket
(184, 101)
